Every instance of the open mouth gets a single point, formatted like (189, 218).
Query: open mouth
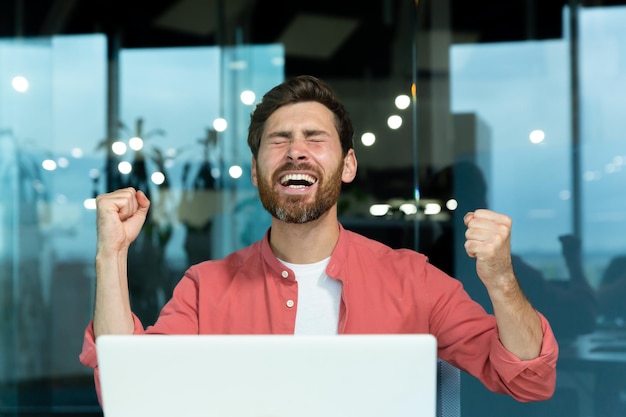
(297, 180)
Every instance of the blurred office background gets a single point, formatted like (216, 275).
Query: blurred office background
(518, 106)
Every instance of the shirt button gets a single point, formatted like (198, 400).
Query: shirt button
(285, 274)
(290, 303)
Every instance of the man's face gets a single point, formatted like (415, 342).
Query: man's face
(300, 168)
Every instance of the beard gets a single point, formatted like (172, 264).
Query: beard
(294, 209)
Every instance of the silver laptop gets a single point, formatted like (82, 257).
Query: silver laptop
(268, 376)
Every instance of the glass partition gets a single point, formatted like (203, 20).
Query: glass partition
(57, 156)
(533, 131)
(51, 105)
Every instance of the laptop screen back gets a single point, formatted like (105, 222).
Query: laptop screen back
(268, 375)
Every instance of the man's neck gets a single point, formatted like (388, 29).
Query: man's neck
(305, 243)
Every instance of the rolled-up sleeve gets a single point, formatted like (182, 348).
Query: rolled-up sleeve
(529, 380)
(88, 355)
(468, 338)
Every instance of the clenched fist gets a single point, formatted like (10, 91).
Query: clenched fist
(120, 216)
(488, 239)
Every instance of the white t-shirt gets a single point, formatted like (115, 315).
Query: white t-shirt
(318, 299)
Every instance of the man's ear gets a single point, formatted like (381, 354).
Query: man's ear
(349, 167)
(253, 173)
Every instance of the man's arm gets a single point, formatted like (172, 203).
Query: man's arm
(120, 217)
(488, 239)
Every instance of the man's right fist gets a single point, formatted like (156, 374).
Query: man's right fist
(120, 216)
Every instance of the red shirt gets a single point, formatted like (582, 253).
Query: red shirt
(384, 290)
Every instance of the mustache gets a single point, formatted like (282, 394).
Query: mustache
(291, 166)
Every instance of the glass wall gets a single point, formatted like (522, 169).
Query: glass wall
(176, 134)
(516, 107)
(522, 119)
(52, 102)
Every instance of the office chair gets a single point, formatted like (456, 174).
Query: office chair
(448, 390)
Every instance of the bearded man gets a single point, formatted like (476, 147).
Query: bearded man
(309, 275)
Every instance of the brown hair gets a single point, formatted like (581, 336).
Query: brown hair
(296, 90)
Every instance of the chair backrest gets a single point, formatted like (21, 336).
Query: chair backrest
(448, 390)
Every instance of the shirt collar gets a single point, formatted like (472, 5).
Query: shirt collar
(337, 259)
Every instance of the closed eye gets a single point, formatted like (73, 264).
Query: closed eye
(317, 139)
(316, 135)
(278, 140)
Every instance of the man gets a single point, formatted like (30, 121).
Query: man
(311, 276)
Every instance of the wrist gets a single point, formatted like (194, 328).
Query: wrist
(506, 286)
(106, 253)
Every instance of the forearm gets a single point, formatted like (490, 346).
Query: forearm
(519, 325)
(112, 312)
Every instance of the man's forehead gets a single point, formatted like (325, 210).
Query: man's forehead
(303, 116)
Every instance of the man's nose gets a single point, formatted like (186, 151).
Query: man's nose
(297, 149)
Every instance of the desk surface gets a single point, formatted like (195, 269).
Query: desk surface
(601, 349)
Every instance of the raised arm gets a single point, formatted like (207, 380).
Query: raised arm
(488, 239)
(120, 217)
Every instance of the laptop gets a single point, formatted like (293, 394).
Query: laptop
(268, 375)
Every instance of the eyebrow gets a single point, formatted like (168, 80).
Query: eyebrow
(289, 134)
